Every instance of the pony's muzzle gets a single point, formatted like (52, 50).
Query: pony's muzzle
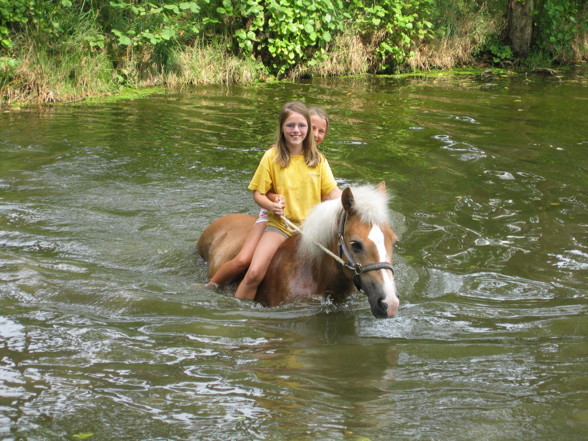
(384, 308)
(383, 296)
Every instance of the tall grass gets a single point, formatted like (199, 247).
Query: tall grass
(44, 77)
(579, 47)
(210, 63)
(66, 71)
(71, 71)
(82, 57)
(348, 55)
(462, 31)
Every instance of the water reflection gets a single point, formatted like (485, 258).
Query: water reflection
(308, 380)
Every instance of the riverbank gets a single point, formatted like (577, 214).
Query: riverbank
(116, 95)
(484, 74)
(73, 51)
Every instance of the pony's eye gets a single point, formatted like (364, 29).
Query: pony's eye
(356, 246)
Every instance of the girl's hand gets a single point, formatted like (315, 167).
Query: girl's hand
(279, 205)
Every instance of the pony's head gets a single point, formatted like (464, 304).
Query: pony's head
(360, 222)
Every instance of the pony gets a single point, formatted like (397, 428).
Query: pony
(344, 244)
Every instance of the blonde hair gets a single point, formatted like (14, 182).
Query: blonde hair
(317, 111)
(312, 157)
(321, 224)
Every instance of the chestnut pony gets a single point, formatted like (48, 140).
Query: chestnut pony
(356, 231)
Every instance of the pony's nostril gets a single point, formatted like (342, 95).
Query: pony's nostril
(383, 306)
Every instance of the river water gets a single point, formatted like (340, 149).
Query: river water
(107, 333)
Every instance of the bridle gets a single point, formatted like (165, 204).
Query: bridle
(345, 258)
(349, 262)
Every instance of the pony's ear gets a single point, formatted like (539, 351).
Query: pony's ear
(381, 187)
(347, 199)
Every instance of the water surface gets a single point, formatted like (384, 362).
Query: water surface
(107, 333)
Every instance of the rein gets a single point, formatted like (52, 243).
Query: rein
(349, 262)
(294, 227)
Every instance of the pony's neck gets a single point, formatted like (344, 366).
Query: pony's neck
(320, 227)
(322, 223)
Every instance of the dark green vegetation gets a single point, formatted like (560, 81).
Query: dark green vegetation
(61, 50)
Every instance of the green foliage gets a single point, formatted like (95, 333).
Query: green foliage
(395, 26)
(500, 52)
(147, 41)
(284, 33)
(556, 25)
(39, 21)
(142, 23)
(16, 15)
(494, 50)
(281, 33)
(7, 69)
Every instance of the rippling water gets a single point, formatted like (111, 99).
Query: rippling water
(106, 332)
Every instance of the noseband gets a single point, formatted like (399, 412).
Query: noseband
(350, 263)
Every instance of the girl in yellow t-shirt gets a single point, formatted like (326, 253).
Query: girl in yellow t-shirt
(300, 176)
(239, 264)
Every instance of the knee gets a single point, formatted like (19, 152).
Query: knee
(254, 276)
(242, 262)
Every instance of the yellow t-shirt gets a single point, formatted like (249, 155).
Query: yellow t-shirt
(302, 186)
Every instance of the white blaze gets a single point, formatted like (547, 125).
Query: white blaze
(377, 236)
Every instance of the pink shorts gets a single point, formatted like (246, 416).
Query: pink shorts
(262, 216)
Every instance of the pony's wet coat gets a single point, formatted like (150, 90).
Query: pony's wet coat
(301, 269)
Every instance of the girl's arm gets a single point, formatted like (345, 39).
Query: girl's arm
(274, 197)
(334, 194)
(263, 201)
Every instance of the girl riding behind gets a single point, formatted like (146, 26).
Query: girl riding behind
(300, 175)
(232, 269)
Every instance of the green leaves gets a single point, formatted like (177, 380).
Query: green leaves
(281, 34)
(123, 39)
(173, 8)
(397, 26)
(7, 63)
(557, 26)
(146, 23)
(284, 33)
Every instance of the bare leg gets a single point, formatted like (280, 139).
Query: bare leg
(266, 249)
(238, 265)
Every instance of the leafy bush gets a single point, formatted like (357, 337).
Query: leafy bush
(284, 33)
(556, 26)
(44, 43)
(394, 27)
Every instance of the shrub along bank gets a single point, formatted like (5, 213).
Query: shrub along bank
(61, 50)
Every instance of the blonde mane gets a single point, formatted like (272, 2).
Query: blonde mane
(322, 223)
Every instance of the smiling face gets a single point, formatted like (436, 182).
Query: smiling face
(295, 129)
(319, 128)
